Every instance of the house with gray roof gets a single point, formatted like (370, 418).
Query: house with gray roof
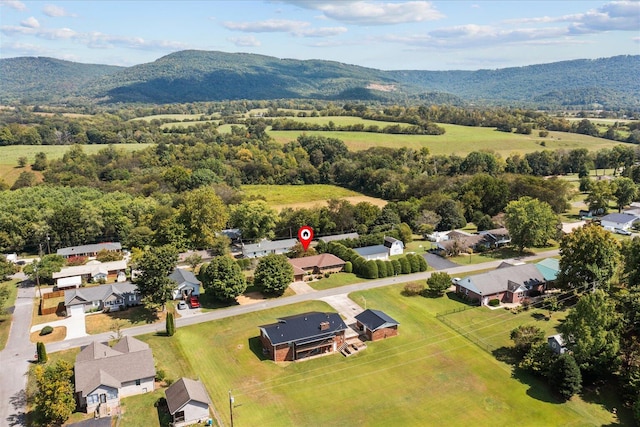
(267, 247)
(188, 402)
(89, 250)
(187, 284)
(96, 298)
(104, 375)
(373, 252)
(622, 221)
(303, 335)
(509, 283)
(376, 325)
(338, 237)
(92, 271)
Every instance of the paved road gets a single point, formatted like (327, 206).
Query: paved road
(437, 262)
(15, 359)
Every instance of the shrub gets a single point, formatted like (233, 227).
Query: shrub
(413, 288)
(370, 270)
(397, 268)
(348, 267)
(326, 275)
(405, 266)
(160, 374)
(494, 302)
(46, 330)
(422, 263)
(41, 352)
(168, 381)
(382, 268)
(170, 325)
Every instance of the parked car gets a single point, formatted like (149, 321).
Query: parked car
(623, 231)
(193, 302)
(182, 305)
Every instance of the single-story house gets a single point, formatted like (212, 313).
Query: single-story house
(376, 325)
(93, 271)
(105, 374)
(303, 335)
(394, 246)
(89, 250)
(509, 284)
(618, 220)
(633, 210)
(233, 234)
(496, 237)
(95, 298)
(317, 264)
(188, 402)
(337, 237)
(266, 247)
(549, 267)
(557, 344)
(187, 284)
(13, 258)
(458, 241)
(438, 236)
(373, 252)
(72, 282)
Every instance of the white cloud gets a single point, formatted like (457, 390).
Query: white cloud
(636, 39)
(245, 41)
(374, 13)
(30, 22)
(13, 4)
(296, 28)
(55, 11)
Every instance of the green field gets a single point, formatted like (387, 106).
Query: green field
(428, 375)
(299, 196)
(10, 154)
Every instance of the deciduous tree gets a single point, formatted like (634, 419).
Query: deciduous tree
(255, 219)
(274, 274)
(530, 222)
(223, 278)
(154, 284)
(526, 336)
(54, 397)
(203, 214)
(624, 191)
(438, 283)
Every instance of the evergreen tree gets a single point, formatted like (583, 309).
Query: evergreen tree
(565, 377)
(170, 325)
(42, 352)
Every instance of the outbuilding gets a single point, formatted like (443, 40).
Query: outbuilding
(376, 325)
(188, 402)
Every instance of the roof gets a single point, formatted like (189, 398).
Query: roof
(64, 282)
(97, 293)
(376, 319)
(180, 275)
(98, 364)
(303, 327)
(336, 237)
(388, 241)
(558, 338)
(464, 241)
(371, 250)
(183, 391)
(320, 261)
(549, 267)
(619, 218)
(232, 233)
(269, 245)
(91, 268)
(498, 280)
(87, 249)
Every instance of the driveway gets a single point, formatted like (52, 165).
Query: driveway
(438, 263)
(347, 308)
(75, 324)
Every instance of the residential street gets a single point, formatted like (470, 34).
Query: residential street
(19, 351)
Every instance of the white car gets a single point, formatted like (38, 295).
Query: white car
(623, 231)
(182, 305)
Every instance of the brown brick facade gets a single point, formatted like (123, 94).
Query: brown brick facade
(287, 352)
(382, 333)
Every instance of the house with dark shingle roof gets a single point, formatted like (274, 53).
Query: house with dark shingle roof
(303, 335)
(104, 375)
(89, 250)
(187, 284)
(622, 221)
(188, 402)
(267, 247)
(95, 298)
(509, 284)
(376, 324)
(316, 264)
(338, 237)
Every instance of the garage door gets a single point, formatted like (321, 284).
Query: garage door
(77, 310)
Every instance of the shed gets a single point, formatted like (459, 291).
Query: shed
(188, 402)
(376, 324)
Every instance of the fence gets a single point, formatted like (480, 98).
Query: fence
(467, 334)
(54, 294)
(42, 310)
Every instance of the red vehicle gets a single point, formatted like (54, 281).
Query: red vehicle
(193, 302)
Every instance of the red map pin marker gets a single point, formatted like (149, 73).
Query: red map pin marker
(305, 235)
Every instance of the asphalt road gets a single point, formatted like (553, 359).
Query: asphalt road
(437, 262)
(19, 352)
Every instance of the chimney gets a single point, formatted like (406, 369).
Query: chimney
(324, 326)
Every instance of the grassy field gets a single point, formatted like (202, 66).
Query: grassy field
(299, 196)
(10, 154)
(335, 280)
(5, 317)
(133, 316)
(428, 375)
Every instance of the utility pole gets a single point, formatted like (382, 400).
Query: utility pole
(48, 245)
(231, 407)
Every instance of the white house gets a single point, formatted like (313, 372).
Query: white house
(380, 252)
(187, 284)
(623, 221)
(94, 271)
(188, 402)
(394, 246)
(103, 374)
(266, 247)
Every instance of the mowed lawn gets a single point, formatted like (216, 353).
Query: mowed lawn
(9, 155)
(299, 196)
(5, 316)
(428, 375)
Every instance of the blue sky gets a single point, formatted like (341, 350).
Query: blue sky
(389, 35)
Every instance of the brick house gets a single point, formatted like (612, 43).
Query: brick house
(376, 325)
(303, 335)
(317, 264)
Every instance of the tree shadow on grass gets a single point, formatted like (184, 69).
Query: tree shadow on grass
(256, 347)
(452, 295)
(506, 355)
(208, 301)
(139, 314)
(164, 416)
(538, 389)
(607, 395)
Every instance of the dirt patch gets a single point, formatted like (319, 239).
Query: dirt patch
(319, 203)
(58, 334)
(250, 298)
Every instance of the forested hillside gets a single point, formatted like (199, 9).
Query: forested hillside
(191, 76)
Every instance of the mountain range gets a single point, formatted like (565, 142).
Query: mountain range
(193, 76)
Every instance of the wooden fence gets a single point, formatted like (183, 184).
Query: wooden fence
(54, 294)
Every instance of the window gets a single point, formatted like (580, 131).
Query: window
(92, 399)
(137, 382)
(112, 394)
(132, 298)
